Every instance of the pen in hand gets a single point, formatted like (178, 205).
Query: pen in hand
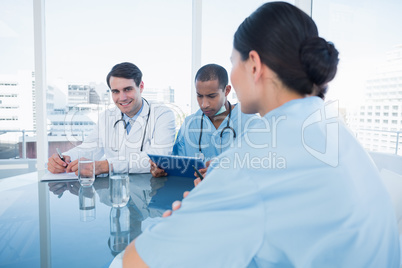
(61, 157)
(198, 173)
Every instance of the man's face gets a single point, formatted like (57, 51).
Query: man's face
(210, 97)
(126, 95)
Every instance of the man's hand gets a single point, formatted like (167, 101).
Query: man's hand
(197, 181)
(203, 172)
(73, 167)
(100, 167)
(175, 206)
(56, 165)
(155, 171)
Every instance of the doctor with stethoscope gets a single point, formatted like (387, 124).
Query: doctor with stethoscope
(130, 130)
(215, 127)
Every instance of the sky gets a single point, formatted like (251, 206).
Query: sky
(363, 32)
(84, 39)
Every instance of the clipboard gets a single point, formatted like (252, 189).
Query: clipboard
(174, 165)
(171, 191)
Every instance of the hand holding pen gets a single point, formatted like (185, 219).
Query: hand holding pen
(60, 155)
(199, 176)
(58, 163)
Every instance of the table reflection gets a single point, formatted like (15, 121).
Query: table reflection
(119, 229)
(87, 203)
(60, 224)
(58, 188)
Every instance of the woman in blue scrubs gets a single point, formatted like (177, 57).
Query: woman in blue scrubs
(311, 198)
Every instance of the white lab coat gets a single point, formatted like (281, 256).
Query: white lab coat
(111, 142)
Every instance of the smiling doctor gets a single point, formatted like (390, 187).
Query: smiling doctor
(130, 130)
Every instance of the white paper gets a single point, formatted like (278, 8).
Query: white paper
(59, 177)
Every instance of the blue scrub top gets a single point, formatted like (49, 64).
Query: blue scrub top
(187, 141)
(311, 198)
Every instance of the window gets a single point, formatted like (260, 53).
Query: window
(372, 82)
(75, 30)
(16, 65)
(85, 39)
(219, 24)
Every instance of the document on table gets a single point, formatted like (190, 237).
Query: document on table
(59, 177)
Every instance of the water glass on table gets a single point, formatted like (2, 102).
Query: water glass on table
(119, 182)
(86, 168)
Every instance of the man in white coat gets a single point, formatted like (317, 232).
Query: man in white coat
(130, 130)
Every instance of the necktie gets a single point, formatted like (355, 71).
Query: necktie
(130, 124)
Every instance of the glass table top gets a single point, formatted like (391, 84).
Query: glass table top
(60, 224)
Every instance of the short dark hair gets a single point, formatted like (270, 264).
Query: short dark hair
(287, 41)
(125, 70)
(212, 72)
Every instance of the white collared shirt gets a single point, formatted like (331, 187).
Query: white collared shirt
(111, 142)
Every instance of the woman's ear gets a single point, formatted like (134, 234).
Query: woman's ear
(255, 64)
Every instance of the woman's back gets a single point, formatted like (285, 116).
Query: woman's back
(323, 200)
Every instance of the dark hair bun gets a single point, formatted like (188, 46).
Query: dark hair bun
(320, 60)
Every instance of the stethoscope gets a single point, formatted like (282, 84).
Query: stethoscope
(126, 124)
(223, 130)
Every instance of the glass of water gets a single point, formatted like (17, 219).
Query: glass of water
(119, 182)
(86, 167)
